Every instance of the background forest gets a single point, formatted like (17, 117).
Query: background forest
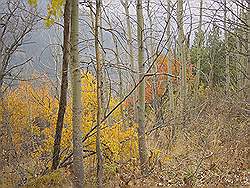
(121, 93)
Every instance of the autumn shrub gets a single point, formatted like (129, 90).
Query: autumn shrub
(32, 113)
(206, 145)
(56, 179)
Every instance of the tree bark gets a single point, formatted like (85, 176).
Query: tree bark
(198, 66)
(157, 111)
(227, 48)
(76, 98)
(170, 58)
(131, 52)
(240, 58)
(248, 52)
(169, 78)
(64, 86)
(141, 91)
(99, 96)
(181, 54)
(119, 71)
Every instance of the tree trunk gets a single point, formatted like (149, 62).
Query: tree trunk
(169, 78)
(99, 96)
(119, 71)
(248, 53)
(198, 66)
(240, 58)
(131, 52)
(227, 48)
(104, 82)
(141, 90)
(157, 111)
(76, 98)
(169, 56)
(181, 54)
(64, 86)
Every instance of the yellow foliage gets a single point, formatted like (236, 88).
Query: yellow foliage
(49, 22)
(54, 11)
(167, 158)
(33, 3)
(33, 114)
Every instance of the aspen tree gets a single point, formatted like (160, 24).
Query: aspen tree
(105, 85)
(141, 90)
(117, 58)
(154, 68)
(118, 63)
(181, 53)
(240, 57)
(76, 97)
(198, 66)
(169, 57)
(130, 47)
(99, 95)
(227, 48)
(169, 60)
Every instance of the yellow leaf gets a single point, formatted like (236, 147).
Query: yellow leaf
(33, 3)
(48, 22)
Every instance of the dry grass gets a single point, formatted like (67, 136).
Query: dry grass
(211, 149)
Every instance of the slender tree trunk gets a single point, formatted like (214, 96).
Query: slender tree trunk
(1, 79)
(119, 76)
(245, 51)
(198, 67)
(239, 63)
(64, 86)
(227, 48)
(104, 83)
(99, 95)
(248, 53)
(1, 66)
(141, 90)
(211, 62)
(131, 52)
(170, 58)
(181, 54)
(154, 70)
(169, 78)
(119, 71)
(76, 97)
(238, 52)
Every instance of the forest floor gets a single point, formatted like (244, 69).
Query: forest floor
(210, 149)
